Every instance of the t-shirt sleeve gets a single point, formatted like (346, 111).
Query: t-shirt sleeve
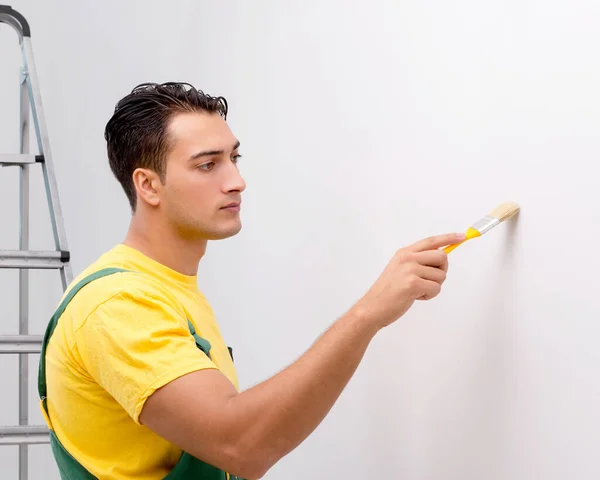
(136, 342)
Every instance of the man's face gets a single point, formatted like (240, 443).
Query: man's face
(202, 193)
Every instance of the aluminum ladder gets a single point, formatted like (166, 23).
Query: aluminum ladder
(24, 259)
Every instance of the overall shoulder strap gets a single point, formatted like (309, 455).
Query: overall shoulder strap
(201, 343)
(54, 321)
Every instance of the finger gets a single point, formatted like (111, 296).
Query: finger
(432, 258)
(438, 241)
(432, 274)
(430, 290)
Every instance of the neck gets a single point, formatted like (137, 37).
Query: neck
(163, 245)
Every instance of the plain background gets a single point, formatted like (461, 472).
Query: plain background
(365, 126)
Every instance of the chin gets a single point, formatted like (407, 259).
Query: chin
(224, 233)
(196, 232)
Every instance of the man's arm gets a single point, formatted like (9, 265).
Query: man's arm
(247, 433)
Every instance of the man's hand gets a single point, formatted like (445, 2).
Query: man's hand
(416, 272)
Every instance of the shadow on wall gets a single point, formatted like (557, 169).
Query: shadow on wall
(485, 396)
(446, 401)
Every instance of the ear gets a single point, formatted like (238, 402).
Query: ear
(147, 185)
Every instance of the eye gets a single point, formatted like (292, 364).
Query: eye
(207, 166)
(236, 158)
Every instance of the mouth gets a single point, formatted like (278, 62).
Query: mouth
(232, 207)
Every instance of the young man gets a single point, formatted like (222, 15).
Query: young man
(135, 378)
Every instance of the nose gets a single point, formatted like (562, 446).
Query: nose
(234, 181)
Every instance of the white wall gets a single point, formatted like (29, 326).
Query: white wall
(366, 126)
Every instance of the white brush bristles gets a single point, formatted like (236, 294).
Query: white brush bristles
(505, 211)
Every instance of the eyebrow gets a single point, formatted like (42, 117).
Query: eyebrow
(207, 153)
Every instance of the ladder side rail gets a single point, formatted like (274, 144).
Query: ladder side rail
(24, 234)
(57, 221)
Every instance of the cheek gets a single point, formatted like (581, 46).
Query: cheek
(188, 189)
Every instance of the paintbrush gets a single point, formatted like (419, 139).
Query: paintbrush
(496, 217)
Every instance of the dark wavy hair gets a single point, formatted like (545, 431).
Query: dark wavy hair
(136, 135)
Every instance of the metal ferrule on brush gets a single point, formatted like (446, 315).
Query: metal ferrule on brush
(485, 224)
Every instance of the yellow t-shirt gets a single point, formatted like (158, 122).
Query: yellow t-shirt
(122, 337)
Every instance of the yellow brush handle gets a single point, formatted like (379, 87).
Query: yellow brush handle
(471, 233)
(449, 248)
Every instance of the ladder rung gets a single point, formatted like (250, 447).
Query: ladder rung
(29, 259)
(19, 158)
(24, 434)
(21, 343)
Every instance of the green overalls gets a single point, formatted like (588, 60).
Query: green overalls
(187, 468)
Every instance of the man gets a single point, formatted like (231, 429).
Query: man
(135, 378)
